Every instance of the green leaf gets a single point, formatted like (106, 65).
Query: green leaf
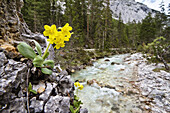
(71, 109)
(49, 63)
(33, 91)
(46, 71)
(75, 104)
(38, 48)
(76, 98)
(46, 55)
(29, 87)
(77, 110)
(38, 61)
(26, 50)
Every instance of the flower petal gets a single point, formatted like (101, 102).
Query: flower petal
(47, 27)
(46, 33)
(53, 27)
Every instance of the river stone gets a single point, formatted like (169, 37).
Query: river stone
(57, 104)
(107, 60)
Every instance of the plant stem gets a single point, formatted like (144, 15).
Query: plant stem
(27, 82)
(77, 92)
(46, 50)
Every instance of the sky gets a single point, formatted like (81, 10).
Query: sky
(155, 4)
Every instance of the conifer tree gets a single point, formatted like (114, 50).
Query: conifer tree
(107, 13)
(36, 14)
(147, 30)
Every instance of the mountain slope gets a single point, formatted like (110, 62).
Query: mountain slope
(130, 10)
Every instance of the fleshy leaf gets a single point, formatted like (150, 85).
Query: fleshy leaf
(75, 103)
(49, 63)
(30, 86)
(38, 48)
(38, 61)
(71, 109)
(46, 71)
(26, 50)
(33, 91)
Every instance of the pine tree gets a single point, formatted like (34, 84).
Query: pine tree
(147, 30)
(134, 29)
(123, 40)
(36, 14)
(107, 13)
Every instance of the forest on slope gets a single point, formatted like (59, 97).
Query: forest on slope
(93, 24)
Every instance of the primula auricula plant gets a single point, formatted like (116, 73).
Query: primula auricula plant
(76, 102)
(78, 85)
(56, 36)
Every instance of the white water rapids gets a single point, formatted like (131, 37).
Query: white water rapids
(114, 91)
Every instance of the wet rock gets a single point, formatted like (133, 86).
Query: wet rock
(132, 92)
(90, 82)
(57, 104)
(115, 107)
(113, 63)
(136, 110)
(107, 60)
(142, 99)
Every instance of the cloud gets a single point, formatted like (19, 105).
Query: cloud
(152, 1)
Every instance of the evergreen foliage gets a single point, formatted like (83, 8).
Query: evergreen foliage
(93, 25)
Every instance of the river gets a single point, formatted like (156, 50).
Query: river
(109, 86)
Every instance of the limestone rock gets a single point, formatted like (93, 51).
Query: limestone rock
(12, 76)
(57, 104)
(45, 95)
(83, 110)
(16, 106)
(65, 86)
(36, 105)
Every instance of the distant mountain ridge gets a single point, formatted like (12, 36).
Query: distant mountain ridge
(130, 10)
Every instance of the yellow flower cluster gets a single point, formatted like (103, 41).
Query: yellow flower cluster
(77, 84)
(58, 36)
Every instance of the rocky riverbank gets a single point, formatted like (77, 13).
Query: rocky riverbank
(154, 86)
(124, 83)
(54, 93)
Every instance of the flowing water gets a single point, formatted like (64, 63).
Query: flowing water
(111, 88)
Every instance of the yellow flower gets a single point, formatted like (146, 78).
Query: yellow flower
(66, 31)
(58, 45)
(50, 31)
(77, 84)
(58, 37)
(81, 87)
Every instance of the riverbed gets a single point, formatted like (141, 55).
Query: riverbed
(112, 85)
